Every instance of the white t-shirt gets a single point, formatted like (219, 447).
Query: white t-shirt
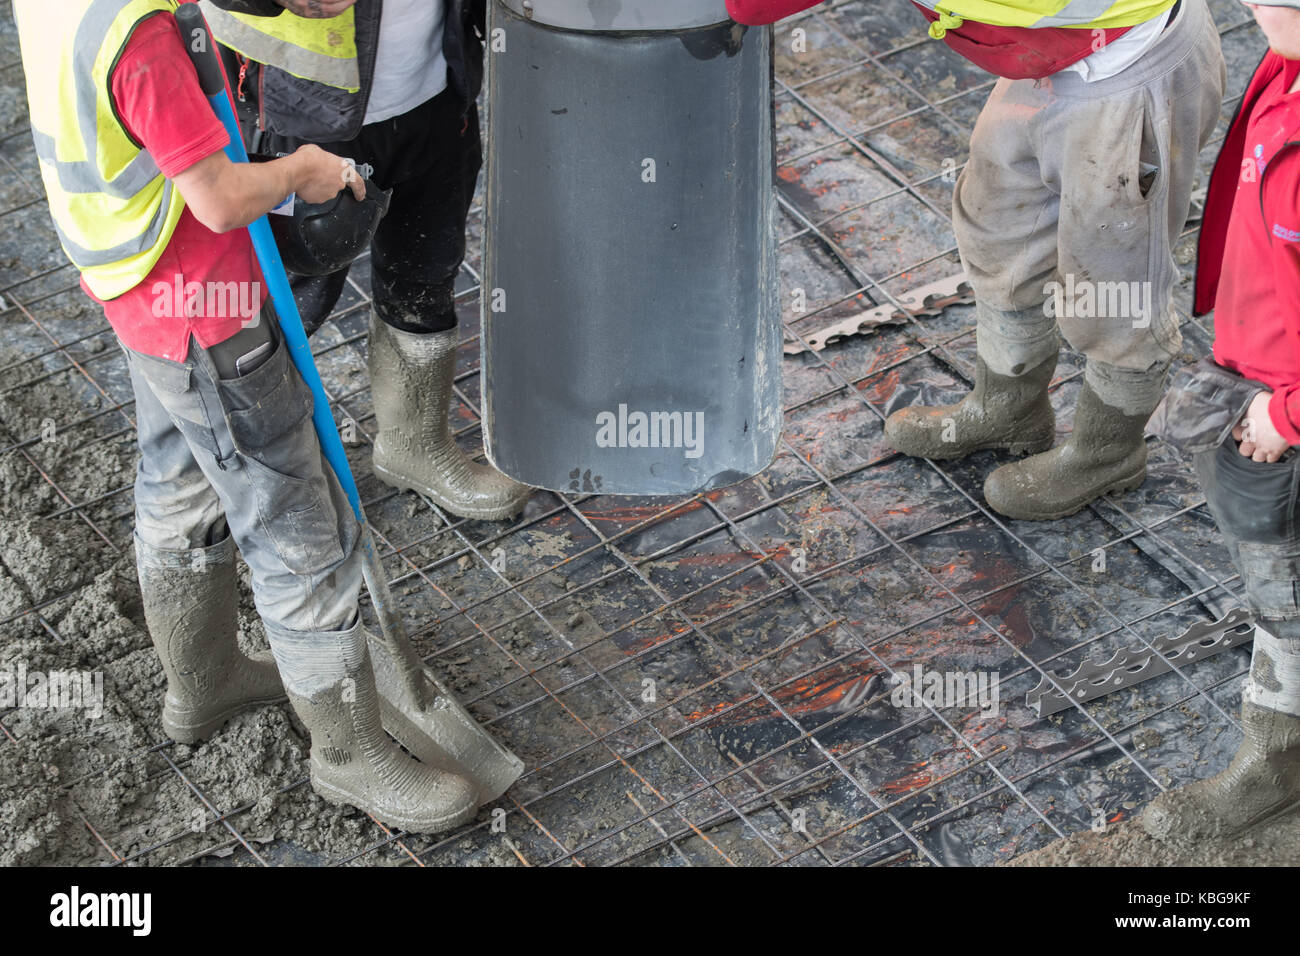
(409, 65)
(1118, 55)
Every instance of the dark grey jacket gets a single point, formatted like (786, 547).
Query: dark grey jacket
(312, 112)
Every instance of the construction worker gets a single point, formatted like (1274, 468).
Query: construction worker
(395, 91)
(1078, 184)
(149, 208)
(1248, 272)
(1077, 187)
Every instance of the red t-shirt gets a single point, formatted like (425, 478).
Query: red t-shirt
(1257, 309)
(188, 291)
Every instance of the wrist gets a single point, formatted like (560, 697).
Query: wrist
(1280, 420)
(295, 173)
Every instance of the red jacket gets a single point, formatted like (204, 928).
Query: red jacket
(1248, 259)
(1222, 191)
(1014, 52)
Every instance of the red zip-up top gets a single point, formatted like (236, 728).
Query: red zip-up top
(1248, 259)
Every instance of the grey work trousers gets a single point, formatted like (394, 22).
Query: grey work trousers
(1088, 185)
(241, 452)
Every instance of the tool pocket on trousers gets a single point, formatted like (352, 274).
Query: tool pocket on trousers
(1201, 407)
(269, 412)
(1270, 572)
(172, 385)
(1253, 500)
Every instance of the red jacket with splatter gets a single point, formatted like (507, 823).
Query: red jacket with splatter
(1014, 52)
(1248, 258)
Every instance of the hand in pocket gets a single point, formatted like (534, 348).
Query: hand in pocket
(1259, 439)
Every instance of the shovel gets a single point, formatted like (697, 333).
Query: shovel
(417, 710)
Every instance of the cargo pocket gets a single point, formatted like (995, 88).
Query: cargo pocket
(1254, 501)
(171, 384)
(1202, 406)
(1270, 572)
(269, 412)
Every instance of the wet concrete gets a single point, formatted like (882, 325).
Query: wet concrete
(676, 674)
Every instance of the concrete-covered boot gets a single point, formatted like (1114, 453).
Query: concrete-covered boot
(353, 761)
(190, 599)
(1105, 453)
(1006, 412)
(1263, 780)
(411, 381)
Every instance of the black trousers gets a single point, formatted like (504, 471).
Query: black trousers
(430, 157)
(1255, 506)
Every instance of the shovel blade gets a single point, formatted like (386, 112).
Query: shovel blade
(443, 734)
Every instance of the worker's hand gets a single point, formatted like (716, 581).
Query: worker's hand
(316, 9)
(321, 175)
(1260, 441)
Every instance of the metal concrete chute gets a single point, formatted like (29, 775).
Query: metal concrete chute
(631, 327)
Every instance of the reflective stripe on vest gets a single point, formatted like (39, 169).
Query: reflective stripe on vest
(320, 50)
(1080, 14)
(113, 210)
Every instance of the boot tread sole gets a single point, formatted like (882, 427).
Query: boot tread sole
(403, 483)
(340, 796)
(184, 731)
(1031, 447)
(1129, 483)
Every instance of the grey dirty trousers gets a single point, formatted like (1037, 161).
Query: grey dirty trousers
(1088, 185)
(1256, 506)
(242, 451)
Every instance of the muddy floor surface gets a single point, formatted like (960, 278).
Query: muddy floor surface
(689, 682)
(1127, 844)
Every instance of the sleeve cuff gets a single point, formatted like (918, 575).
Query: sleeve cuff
(173, 164)
(1279, 413)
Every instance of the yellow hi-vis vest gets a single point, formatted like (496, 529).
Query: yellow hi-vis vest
(320, 50)
(1080, 14)
(113, 210)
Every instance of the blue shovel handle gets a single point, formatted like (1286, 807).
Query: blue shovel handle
(198, 41)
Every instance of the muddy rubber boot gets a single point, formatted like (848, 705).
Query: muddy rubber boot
(1105, 453)
(353, 761)
(1263, 781)
(1010, 413)
(411, 381)
(190, 599)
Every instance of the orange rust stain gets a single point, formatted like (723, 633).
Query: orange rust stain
(908, 782)
(645, 643)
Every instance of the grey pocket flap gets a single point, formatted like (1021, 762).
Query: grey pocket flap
(1202, 405)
